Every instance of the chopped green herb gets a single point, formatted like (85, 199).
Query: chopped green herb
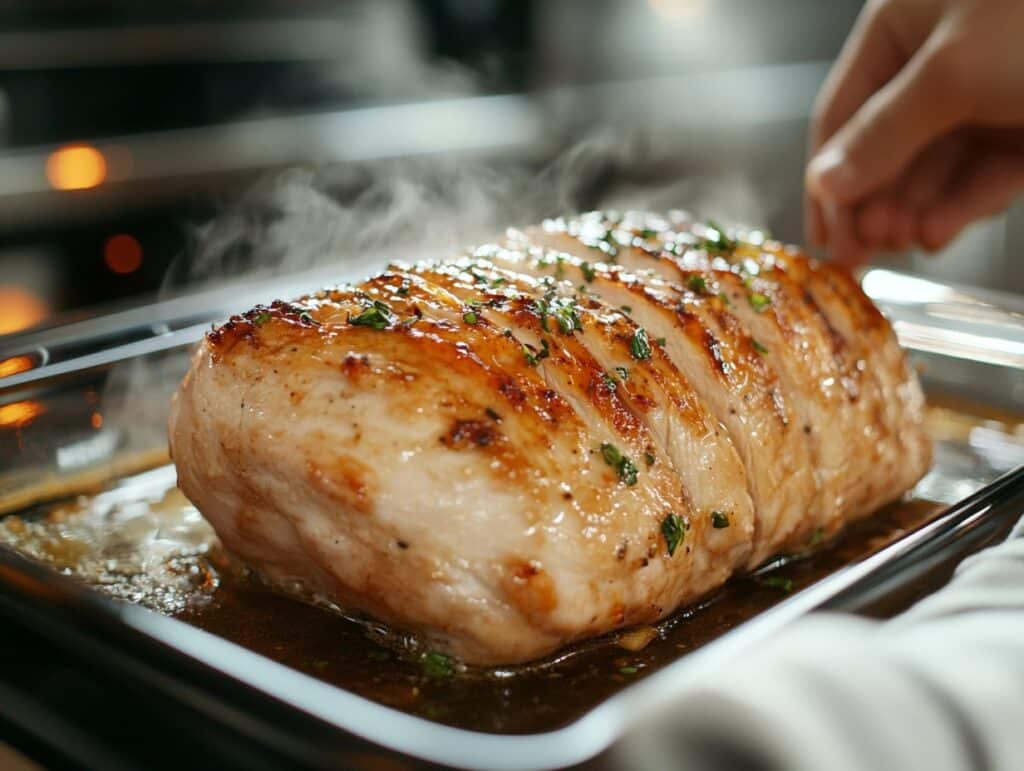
(719, 520)
(723, 297)
(499, 281)
(697, 284)
(559, 267)
(674, 529)
(623, 465)
(609, 381)
(660, 341)
(816, 537)
(378, 316)
(436, 664)
(759, 301)
(470, 317)
(758, 347)
(649, 458)
(629, 670)
(640, 346)
(492, 414)
(626, 308)
(540, 307)
(776, 582)
(623, 373)
(403, 288)
(647, 233)
(261, 318)
(306, 318)
(567, 317)
(588, 271)
(605, 243)
(716, 240)
(532, 357)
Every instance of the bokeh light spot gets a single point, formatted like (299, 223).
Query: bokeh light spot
(122, 254)
(15, 364)
(19, 309)
(76, 167)
(20, 414)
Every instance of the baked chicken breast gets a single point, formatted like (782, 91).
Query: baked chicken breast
(579, 428)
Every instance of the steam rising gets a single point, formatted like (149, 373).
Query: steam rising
(362, 215)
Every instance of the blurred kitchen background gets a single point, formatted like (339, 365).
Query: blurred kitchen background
(126, 127)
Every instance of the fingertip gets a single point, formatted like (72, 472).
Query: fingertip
(902, 228)
(937, 230)
(845, 246)
(814, 225)
(829, 175)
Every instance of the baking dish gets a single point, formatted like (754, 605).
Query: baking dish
(85, 405)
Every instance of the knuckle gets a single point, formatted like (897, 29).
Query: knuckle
(880, 9)
(947, 66)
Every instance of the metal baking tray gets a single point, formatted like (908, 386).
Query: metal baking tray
(82, 411)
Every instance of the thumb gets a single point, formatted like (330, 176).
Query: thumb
(881, 139)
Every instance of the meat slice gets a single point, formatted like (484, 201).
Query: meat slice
(546, 439)
(731, 373)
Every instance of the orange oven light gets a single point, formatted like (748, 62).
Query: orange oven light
(19, 309)
(20, 414)
(76, 167)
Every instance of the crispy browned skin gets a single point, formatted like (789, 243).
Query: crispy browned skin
(502, 454)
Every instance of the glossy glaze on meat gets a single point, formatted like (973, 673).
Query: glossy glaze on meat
(580, 428)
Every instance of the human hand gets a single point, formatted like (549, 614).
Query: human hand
(919, 128)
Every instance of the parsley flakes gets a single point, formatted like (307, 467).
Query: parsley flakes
(533, 357)
(673, 528)
(776, 582)
(624, 466)
(759, 301)
(436, 665)
(640, 345)
(377, 316)
(716, 240)
(719, 520)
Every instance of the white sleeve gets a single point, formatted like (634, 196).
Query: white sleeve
(938, 687)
